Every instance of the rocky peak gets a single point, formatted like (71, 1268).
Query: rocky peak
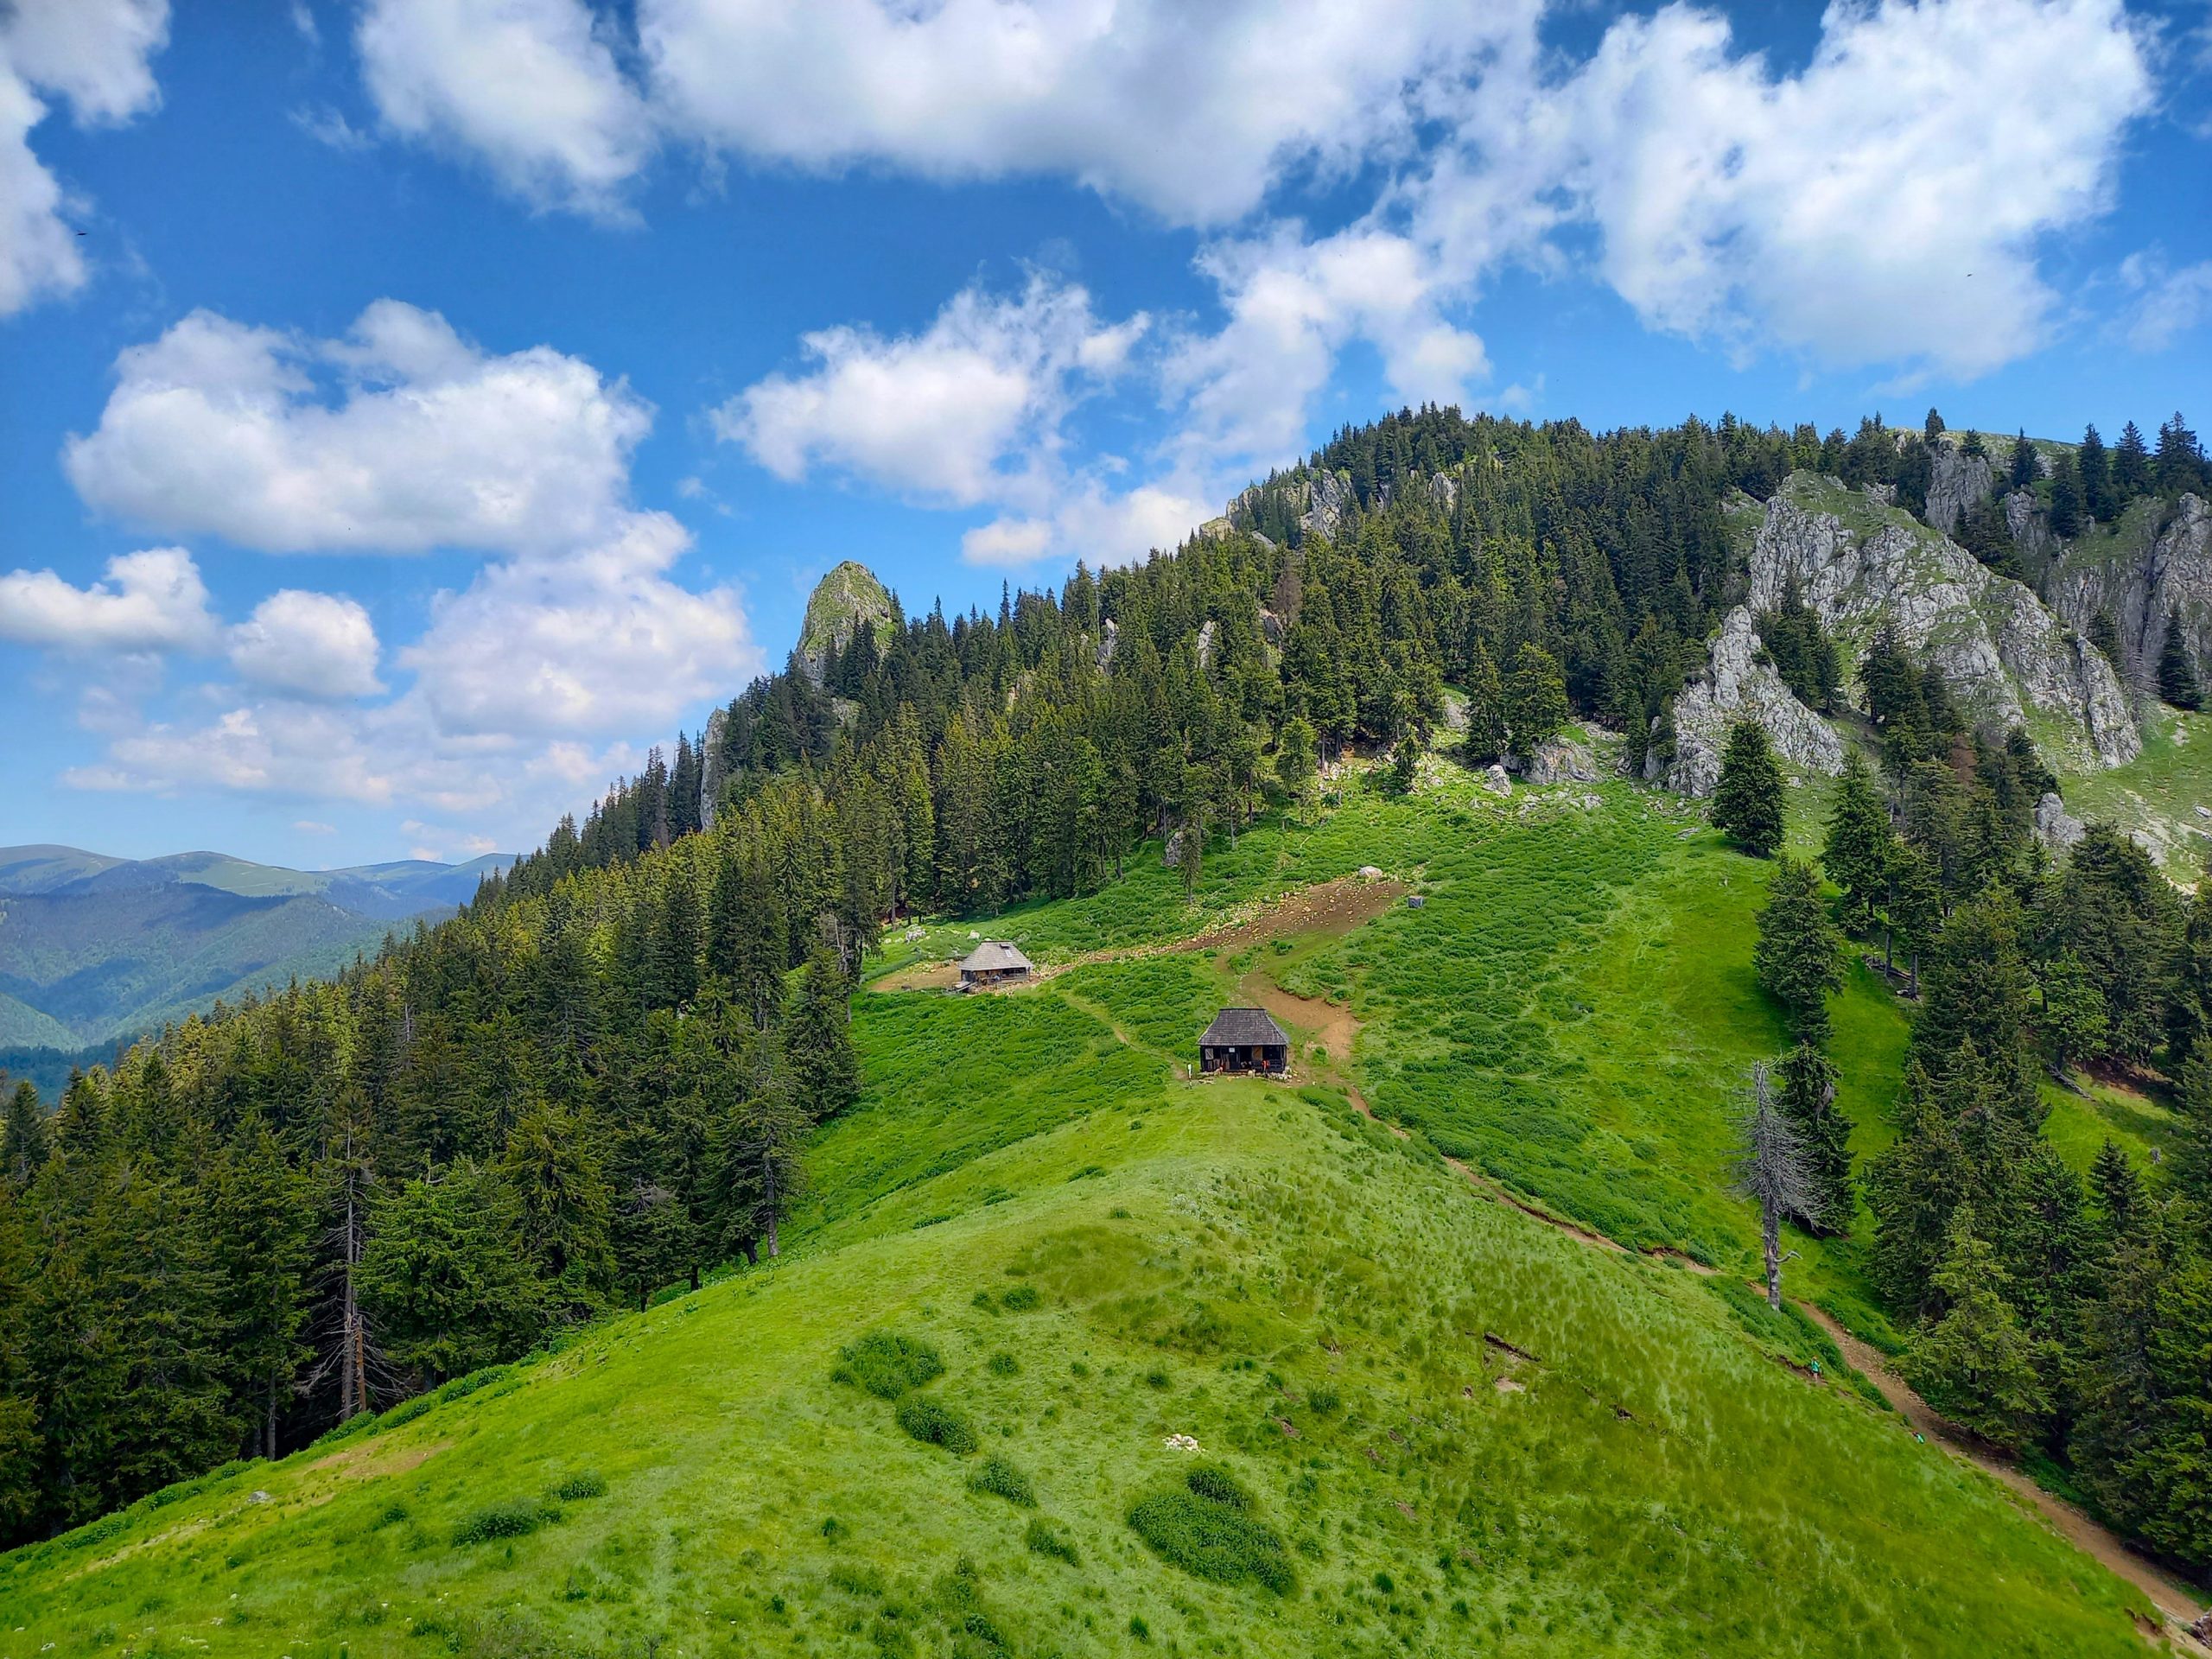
(840, 601)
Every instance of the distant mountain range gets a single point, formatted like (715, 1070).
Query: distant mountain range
(93, 949)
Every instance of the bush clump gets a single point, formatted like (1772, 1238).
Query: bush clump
(1324, 1402)
(585, 1483)
(886, 1364)
(1002, 1364)
(514, 1517)
(1019, 1299)
(1043, 1541)
(1001, 1479)
(1207, 1529)
(935, 1425)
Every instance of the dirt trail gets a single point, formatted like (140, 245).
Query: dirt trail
(2177, 1603)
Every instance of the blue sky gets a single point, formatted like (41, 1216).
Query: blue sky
(414, 409)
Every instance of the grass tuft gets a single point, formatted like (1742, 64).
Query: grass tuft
(513, 1517)
(1207, 1529)
(886, 1364)
(1001, 1479)
(935, 1425)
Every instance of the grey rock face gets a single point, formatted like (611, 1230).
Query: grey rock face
(2154, 566)
(1172, 853)
(1738, 686)
(1443, 492)
(2029, 526)
(1271, 629)
(1205, 643)
(2003, 653)
(1329, 502)
(1958, 481)
(711, 772)
(1495, 780)
(1110, 636)
(1562, 761)
(2056, 827)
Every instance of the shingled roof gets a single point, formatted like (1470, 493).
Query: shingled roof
(994, 956)
(1244, 1028)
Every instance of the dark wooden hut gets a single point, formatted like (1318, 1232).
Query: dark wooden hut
(1245, 1039)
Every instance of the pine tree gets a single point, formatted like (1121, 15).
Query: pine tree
(445, 1277)
(264, 1241)
(2026, 469)
(1974, 1362)
(2065, 496)
(820, 1068)
(2179, 463)
(1486, 724)
(2094, 466)
(758, 1173)
(174, 1416)
(1536, 700)
(2131, 464)
(2177, 681)
(1860, 843)
(24, 1141)
(1747, 801)
(553, 1169)
(2074, 1022)
(1804, 1083)
(1796, 955)
(1295, 763)
(2104, 634)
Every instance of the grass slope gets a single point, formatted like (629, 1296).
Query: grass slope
(1425, 1421)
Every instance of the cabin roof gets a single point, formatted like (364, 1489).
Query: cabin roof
(1244, 1028)
(994, 957)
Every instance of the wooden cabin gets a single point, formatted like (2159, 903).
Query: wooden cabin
(1245, 1039)
(994, 961)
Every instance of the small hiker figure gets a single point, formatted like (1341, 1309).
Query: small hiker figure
(1816, 1370)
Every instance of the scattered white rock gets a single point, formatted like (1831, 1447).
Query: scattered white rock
(1495, 780)
(2056, 828)
(1183, 1443)
(1561, 761)
(1369, 873)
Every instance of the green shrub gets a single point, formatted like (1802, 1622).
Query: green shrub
(514, 1517)
(1002, 1364)
(886, 1364)
(1207, 1530)
(1043, 1541)
(1020, 1298)
(1324, 1402)
(926, 1420)
(1156, 1378)
(407, 1411)
(585, 1483)
(981, 1298)
(1001, 1479)
(390, 1516)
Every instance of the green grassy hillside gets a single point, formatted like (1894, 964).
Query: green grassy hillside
(1425, 1421)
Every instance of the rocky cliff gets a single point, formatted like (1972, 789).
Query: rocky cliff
(2155, 560)
(1740, 683)
(848, 595)
(1864, 566)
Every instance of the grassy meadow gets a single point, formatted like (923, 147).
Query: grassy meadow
(1072, 1354)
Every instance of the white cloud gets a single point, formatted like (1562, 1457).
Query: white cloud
(152, 601)
(316, 645)
(529, 86)
(959, 413)
(2167, 303)
(314, 827)
(220, 427)
(95, 55)
(1883, 205)
(1094, 522)
(595, 642)
(1193, 111)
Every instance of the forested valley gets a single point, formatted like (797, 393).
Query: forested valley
(600, 1079)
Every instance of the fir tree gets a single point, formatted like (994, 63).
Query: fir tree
(553, 1170)
(2074, 1023)
(1536, 700)
(23, 1141)
(2179, 463)
(1747, 801)
(2104, 634)
(2065, 497)
(1861, 843)
(263, 1240)
(2131, 464)
(1771, 1172)
(2177, 681)
(819, 1065)
(1796, 955)
(1486, 723)
(445, 1277)
(2026, 468)
(2094, 466)
(1295, 763)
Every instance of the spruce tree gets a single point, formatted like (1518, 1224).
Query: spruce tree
(1771, 1172)
(1796, 955)
(24, 1141)
(2179, 463)
(553, 1169)
(2131, 466)
(2074, 1022)
(1747, 801)
(2094, 466)
(2104, 634)
(1859, 843)
(819, 1066)
(1974, 1362)
(1805, 1091)
(1295, 762)
(2026, 469)
(2065, 497)
(264, 1227)
(1486, 724)
(2177, 681)
(444, 1276)
(1536, 700)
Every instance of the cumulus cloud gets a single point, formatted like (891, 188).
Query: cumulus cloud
(951, 414)
(598, 641)
(152, 601)
(530, 87)
(95, 55)
(423, 440)
(317, 645)
(1192, 111)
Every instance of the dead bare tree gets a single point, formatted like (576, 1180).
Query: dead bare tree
(1771, 1172)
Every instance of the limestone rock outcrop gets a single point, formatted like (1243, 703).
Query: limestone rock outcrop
(2157, 560)
(1863, 567)
(1957, 482)
(840, 601)
(1738, 684)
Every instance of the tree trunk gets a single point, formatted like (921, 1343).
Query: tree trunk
(1770, 1238)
